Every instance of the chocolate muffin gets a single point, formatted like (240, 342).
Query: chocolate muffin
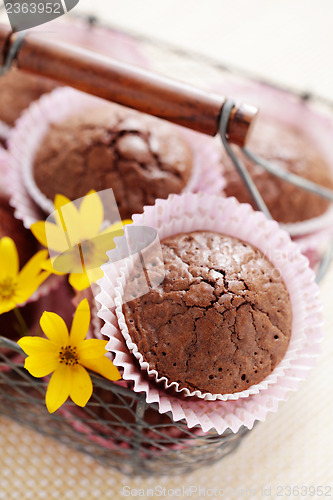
(139, 157)
(220, 321)
(17, 91)
(289, 149)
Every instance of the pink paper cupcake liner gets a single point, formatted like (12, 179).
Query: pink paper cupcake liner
(286, 108)
(181, 224)
(55, 107)
(189, 212)
(96, 322)
(315, 245)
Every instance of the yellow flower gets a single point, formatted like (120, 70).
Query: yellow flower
(66, 354)
(78, 239)
(16, 286)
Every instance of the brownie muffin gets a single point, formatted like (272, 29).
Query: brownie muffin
(17, 91)
(290, 150)
(139, 157)
(220, 321)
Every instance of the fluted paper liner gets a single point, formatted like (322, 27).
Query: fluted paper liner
(31, 204)
(190, 212)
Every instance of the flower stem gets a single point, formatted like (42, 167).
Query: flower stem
(21, 322)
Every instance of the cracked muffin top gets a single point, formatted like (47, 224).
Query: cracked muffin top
(221, 319)
(288, 149)
(139, 157)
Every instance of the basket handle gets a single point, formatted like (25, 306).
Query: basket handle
(124, 84)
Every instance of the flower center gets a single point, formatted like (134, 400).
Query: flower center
(68, 355)
(7, 289)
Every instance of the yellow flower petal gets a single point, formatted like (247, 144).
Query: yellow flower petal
(38, 230)
(79, 281)
(91, 215)
(3, 271)
(101, 244)
(126, 221)
(54, 328)
(112, 232)
(105, 241)
(103, 366)
(27, 282)
(80, 324)
(50, 236)
(82, 387)
(32, 267)
(91, 348)
(94, 275)
(68, 262)
(38, 346)
(9, 261)
(47, 266)
(70, 223)
(40, 366)
(25, 290)
(59, 387)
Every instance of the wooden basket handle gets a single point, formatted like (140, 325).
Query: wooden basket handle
(127, 85)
